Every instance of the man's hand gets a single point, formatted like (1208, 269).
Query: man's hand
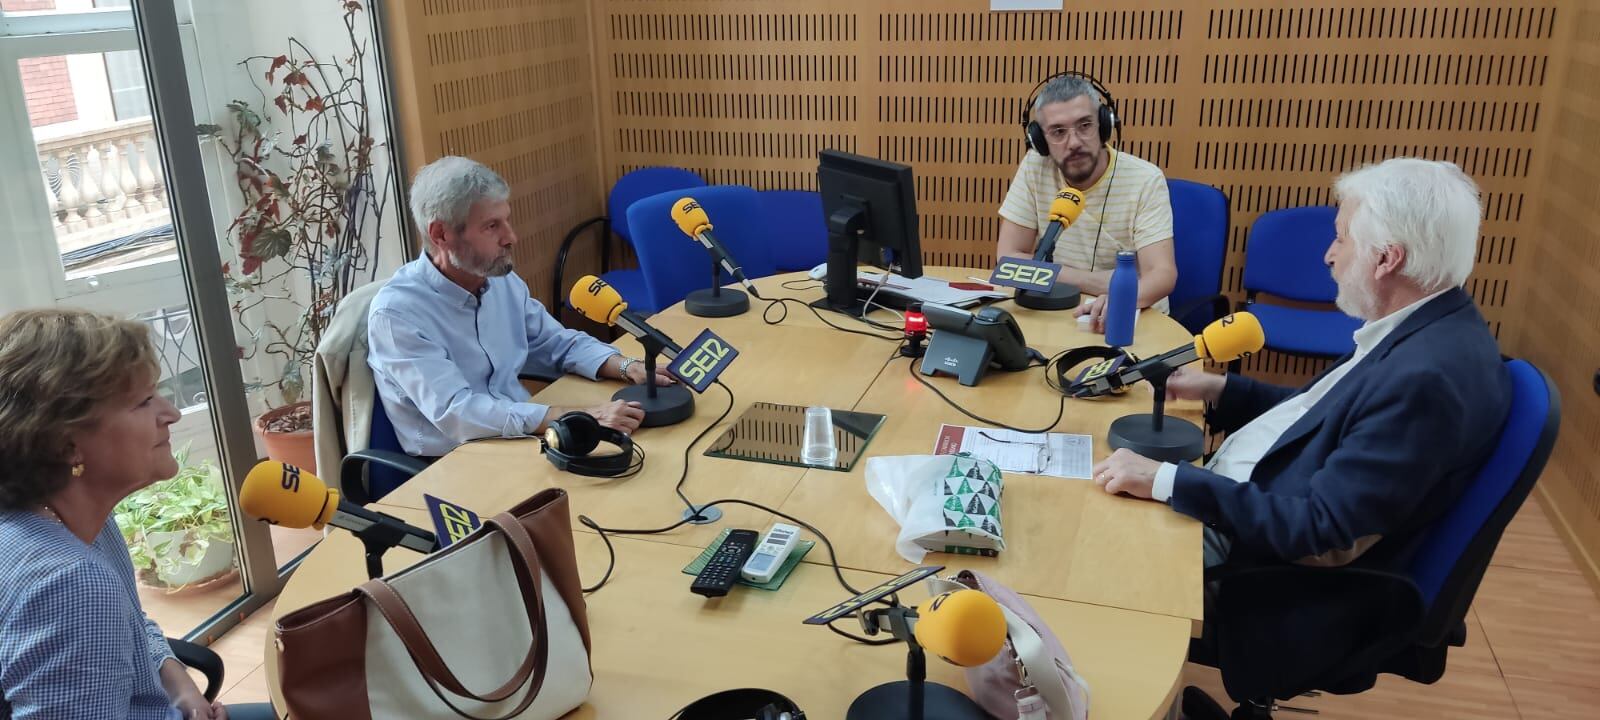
(1192, 383)
(619, 415)
(1096, 310)
(663, 376)
(1126, 472)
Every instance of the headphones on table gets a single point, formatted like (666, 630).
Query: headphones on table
(742, 704)
(1096, 380)
(1108, 119)
(569, 440)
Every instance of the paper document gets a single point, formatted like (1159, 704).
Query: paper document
(1053, 454)
(929, 289)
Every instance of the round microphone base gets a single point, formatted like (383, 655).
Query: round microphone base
(1178, 441)
(888, 702)
(710, 303)
(1061, 297)
(672, 404)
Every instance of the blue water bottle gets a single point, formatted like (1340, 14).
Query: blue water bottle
(1123, 299)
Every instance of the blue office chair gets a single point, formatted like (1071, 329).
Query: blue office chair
(1425, 604)
(1284, 259)
(368, 475)
(798, 233)
(675, 265)
(629, 188)
(1200, 244)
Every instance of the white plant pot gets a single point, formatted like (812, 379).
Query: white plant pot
(218, 558)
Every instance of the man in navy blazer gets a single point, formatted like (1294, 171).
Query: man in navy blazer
(1352, 468)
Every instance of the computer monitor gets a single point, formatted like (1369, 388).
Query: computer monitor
(871, 211)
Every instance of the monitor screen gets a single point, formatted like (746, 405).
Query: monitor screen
(870, 206)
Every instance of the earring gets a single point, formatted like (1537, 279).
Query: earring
(77, 470)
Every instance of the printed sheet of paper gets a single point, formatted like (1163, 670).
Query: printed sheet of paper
(1053, 454)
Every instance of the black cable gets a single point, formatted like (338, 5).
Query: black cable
(1060, 412)
(789, 284)
(687, 449)
(783, 303)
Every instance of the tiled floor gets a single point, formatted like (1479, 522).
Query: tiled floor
(1533, 646)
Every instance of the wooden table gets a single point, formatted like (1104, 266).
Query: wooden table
(1118, 579)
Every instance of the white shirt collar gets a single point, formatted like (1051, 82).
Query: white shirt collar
(1369, 335)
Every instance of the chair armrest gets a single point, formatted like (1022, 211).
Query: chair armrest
(352, 479)
(200, 658)
(561, 260)
(1218, 304)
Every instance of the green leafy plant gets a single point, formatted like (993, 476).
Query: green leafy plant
(192, 503)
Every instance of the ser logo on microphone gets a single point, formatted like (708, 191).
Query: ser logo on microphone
(703, 360)
(1071, 196)
(291, 478)
(1025, 274)
(689, 206)
(596, 286)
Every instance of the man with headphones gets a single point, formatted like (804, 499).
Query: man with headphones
(1069, 120)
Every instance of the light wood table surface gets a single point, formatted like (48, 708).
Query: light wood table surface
(1118, 579)
(656, 647)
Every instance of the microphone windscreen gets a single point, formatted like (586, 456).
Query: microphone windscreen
(595, 299)
(690, 217)
(965, 627)
(1067, 205)
(285, 495)
(1230, 338)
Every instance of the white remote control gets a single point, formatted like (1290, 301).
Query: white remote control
(774, 548)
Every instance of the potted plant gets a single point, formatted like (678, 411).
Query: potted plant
(302, 159)
(178, 531)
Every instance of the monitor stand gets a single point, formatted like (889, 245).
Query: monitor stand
(885, 299)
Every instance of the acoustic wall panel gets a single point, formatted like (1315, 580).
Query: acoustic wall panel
(510, 84)
(1557, 282)
(1269, 101)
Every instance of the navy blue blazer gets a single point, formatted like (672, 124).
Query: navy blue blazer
(1372, 464)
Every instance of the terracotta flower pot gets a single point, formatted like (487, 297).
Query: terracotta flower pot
(295, 448)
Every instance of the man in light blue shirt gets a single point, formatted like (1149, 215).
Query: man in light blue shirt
(450, 332)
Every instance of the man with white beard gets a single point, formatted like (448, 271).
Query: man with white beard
(1352, 468)
(449, 334)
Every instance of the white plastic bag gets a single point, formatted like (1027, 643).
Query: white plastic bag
(944, 503)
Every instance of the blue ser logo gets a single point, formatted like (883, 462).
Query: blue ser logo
(1025, 274)
(703, 360)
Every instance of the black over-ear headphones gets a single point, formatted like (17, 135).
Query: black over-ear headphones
(570, 438)
(741, 705)
(1108, 118)
(1095, 380)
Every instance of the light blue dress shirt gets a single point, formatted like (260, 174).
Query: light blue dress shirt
(446, 360)
(74, 641)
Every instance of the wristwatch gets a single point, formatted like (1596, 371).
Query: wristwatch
(627, 362)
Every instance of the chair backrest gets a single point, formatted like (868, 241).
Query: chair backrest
(382, 479)
(643, 183)
(1200, 240)
(675, 265)
(1452, 558)
(1284, 254)
(798, 233)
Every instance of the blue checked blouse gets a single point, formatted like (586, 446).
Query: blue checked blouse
(74, 641)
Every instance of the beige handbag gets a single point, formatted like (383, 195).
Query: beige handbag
(491, 628)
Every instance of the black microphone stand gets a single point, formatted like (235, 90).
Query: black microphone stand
(385, 532)
(1154, 435)
(714, 301)
(1061, 296)
(663, 404)
(913, 698)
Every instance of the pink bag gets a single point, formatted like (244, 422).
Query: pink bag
(1032, 677)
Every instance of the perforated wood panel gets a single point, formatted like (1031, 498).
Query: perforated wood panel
(1558, 281)
(1267, 100)
(508, 83)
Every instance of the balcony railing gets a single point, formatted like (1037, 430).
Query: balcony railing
(105, 183)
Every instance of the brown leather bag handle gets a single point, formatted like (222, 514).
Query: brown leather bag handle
(426, 656)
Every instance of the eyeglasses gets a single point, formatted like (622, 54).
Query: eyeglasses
(1085, 130)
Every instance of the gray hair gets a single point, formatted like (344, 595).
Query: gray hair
(1428, 207)
(446, 189)
(1065, 88)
